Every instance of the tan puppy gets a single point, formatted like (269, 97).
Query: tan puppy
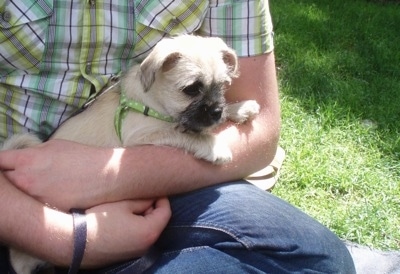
(174, 98)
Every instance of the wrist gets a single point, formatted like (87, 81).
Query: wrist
(56, 238)
(80, 237)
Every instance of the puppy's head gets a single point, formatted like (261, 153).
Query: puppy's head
(186, 78)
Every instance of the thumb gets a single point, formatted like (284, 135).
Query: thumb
(160, 213)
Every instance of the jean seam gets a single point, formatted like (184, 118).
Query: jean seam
(187, 249)
(236, 236)
(120, 266)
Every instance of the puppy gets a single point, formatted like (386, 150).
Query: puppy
(175, 97)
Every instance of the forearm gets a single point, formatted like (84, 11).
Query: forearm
(153, 176)
(115, 231)
(28, 225)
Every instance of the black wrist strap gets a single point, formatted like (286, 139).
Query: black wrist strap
(80, 234)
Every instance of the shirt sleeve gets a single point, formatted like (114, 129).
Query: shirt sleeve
(246, 26)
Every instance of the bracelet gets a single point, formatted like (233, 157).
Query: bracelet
(80, 234)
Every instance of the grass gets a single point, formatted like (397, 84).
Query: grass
(339, 75)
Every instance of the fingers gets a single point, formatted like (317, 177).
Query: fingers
(162, 205)
(8, 159)
(159, 209)
(149, 212)
(9, 174)
(8, 164)
(137, 206)
(150, 225)
(125, 229)
(160, 214)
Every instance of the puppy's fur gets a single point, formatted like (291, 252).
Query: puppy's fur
(183, 77)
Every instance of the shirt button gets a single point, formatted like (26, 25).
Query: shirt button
(6, 16)
(88, 68)
(175, 20)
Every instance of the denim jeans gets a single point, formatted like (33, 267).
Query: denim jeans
(238, 228)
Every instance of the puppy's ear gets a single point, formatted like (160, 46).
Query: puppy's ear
(230, 59)
(147, 72)
(170, 61)
(152, 64)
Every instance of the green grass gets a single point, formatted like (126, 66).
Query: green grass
(339, 75)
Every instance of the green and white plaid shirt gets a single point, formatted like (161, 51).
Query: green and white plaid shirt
(53, 53)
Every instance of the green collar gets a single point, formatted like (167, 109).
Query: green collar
(126, 104)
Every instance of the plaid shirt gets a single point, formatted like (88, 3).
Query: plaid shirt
(54, 53)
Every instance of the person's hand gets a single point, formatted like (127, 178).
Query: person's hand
(123, 230)
(53, 169)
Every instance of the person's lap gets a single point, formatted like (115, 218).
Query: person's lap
(238, 228)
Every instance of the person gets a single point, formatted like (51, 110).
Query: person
(55, 55)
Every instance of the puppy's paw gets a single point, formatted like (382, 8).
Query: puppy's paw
(242, 111)
(217, 153)
(221, 154)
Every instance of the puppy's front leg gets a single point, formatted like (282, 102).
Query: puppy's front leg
(214, 150)
(219, 152)
(242, 111)
(202, 146)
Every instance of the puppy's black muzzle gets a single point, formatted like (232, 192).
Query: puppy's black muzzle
(200, 116)
(215, 113)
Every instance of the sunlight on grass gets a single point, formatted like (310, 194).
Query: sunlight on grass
(339, 76)
(313, 13)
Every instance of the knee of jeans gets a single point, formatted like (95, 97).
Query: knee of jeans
(183, 237)
(247, 213)
(323, 250)
(323, 254)
(259, 221)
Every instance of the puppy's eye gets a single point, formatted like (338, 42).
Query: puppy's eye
(193, 89)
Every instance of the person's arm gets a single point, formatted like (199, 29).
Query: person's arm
(93, 175)
(116, 231)
(22, 218)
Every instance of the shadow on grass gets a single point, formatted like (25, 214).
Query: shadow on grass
(341, 59)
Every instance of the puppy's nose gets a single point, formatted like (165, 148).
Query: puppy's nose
(216, 113)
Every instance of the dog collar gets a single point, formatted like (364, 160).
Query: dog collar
(126, 105)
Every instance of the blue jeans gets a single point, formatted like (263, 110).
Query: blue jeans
(238, 228)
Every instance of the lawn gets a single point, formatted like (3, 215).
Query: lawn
(339, 75)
